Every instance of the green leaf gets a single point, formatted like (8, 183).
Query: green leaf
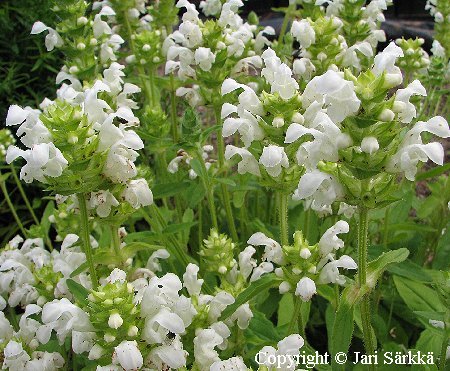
(179, 227)
(168, 189)
(285, 311)
(436, 171)
(45, 222)
(418, 297)
(198, 168)
(225, 181)
(376, 268)
(342, 327)
(79, 292)
(132, 248)
(265, 282)
(410, 270)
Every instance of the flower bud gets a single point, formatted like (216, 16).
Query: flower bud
(278, 122)
(306, 288)
(146, 47)
(369, 145)
(298, 118)
(115, 321)
(82, 21)
(81, 46)
(284, 287)
(132, 331)
(93, 41)
(386, 115)
(109, 338)
(73, 69)
(305, 253)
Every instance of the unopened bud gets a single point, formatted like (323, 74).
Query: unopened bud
(305, 253)
(115, 321)
(278, 122)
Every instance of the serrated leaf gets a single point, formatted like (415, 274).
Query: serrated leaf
(265, 282)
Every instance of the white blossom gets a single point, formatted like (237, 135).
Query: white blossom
(306, 288)
(412, 149)
(128, 355)
(52, 39)
(137, 193)
(303, 32)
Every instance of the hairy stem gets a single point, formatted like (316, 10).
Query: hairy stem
(283, 218)
(225, 194)
(85, 236)
(363, 230)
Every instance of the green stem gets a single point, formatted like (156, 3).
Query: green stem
(283, 218)
(286, 19)
(24, 195)
(173, 109)
(85, 236)
(11, 207)
(307, 221)
(144, 82)
(363, 231)
(116, 241)
(443, 355)
(296, 318)
(225, 194)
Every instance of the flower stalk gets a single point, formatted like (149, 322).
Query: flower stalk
(85, 236)
(224, 189)
(363, 231)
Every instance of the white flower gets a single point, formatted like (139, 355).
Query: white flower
(350, 57)
(246, 261)
(437, 49)
(412, 150)
(232, 364)
(328, 140)
(42, 159)
(63, 317)
(289, 346)
(137, 193)
(52, 39)
(169, 354)
(333, 91)
(128, 355)
(385, 62)
(6, 330)
(304, 68)
(190, 280)
(346, 210)
(248, 164)
(15, 357)
(323, 189)
(122, 145)
(210, 7)
(30, 125)
(330, 241)
(272, 252)
(102, 202)
(273, 158)
(303, 32)
(204, 343)
(242, 316)
(192, 95)
(192, 34)
(306, 288)
(402, 106)
(330, 272)
(204, 58)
